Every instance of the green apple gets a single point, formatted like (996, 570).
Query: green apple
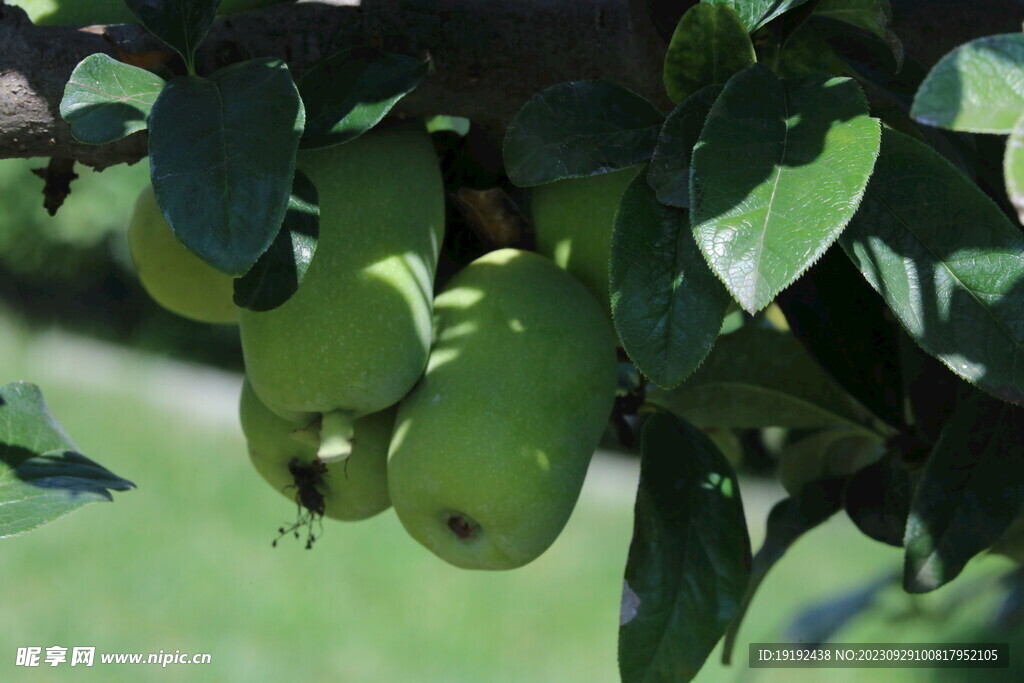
(491, 447)
(355, 336)
(176, 278)
(827, 453)
(574, 218)
(88, 12)
(354, 490)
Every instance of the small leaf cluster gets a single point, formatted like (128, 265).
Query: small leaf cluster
(43, 476)
(804, 167)
(222, 146)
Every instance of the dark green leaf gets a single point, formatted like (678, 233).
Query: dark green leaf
(1013, 168)
(932, 390)
(709, 45)
(281, 269)
(873, 16)
(977, 88)
(667, 306)
(757, 13)
(182, 24)
(806, 52)
(349, 92)
(789, 520)
(846, 328)
(958, 292)
(870, 15)
(689, 560)
(878, 500)
(779, 169)
(871, 59)
(42, 477)
(758, 377)
(222, 158)
(577, 129)
(106, 100)
(969, 493)
(669, 173)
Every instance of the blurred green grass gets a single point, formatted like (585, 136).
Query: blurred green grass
(185, 562)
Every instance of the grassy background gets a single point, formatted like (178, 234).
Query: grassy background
(185, 562)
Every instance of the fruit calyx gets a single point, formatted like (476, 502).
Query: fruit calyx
(463, 527)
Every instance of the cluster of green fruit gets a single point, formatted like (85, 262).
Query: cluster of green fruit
(474, 414)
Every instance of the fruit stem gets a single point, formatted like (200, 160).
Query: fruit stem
(336, 432)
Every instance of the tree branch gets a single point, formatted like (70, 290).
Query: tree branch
(489, 57)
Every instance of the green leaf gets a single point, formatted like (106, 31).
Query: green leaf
(874, 16)
(877, 499)
(778, 171)
(181, 24)
(42, 477)
(349, 92)
(871, 15)
(669, 173)
(788, 521)
(689, 559)
(106, 100)
(757, 13)
(579, 129)
(948, 263)
(1013, 168)
(976, 88)
(932, 391)
(708, 46)
(758, 377)
(280, 270)
(969, 493)
(860, 352)
(222, 157)
(667, 306)
(806, 52)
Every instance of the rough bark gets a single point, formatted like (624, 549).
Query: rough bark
(489, 55)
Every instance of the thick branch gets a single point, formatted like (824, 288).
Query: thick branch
(489, 57)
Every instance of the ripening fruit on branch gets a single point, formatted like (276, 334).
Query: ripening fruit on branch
(354, 338)
(573, 219)
(172, 275)
(491, 447)
(353, 490)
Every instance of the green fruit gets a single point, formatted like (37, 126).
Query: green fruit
(574, 218)
(491, 447)
(355, 490)
(176, 278)
(827, 453)
(355, 336)
(87, 12)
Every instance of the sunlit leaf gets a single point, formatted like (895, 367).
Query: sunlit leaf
(779, 169)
